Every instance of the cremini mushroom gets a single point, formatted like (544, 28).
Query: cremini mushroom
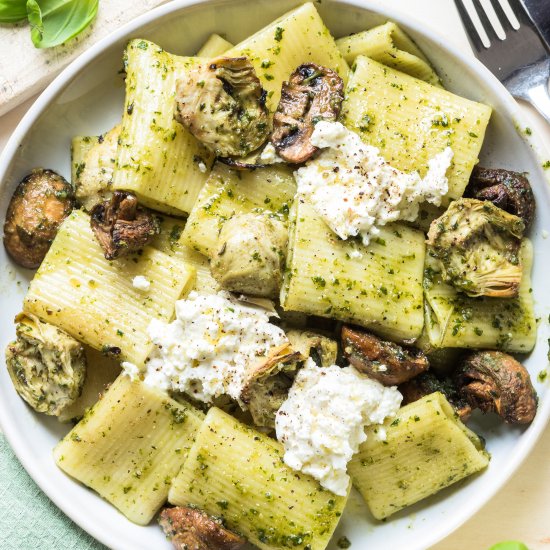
(493, 381)
(477, 247)
(266, 384)
(46, 365)
(426, 383)
(122, 226)
(222, 103)
(37, 208)
(387, 362)
(312, 93)
(192, 529)
(508, 190)
(250, 255)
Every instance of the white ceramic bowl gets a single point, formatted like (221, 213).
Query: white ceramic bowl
(87, 98)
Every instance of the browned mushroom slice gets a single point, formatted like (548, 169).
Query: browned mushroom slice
(122, 226)
(493, 381)
(39, 204)
(222, 104)
(313, 93)
(508, 190)
(193, 529)
(387, 362)
(427, 383)
(266, 384)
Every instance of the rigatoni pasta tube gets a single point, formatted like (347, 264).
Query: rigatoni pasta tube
(427, 448)
(411, 121)
(94, 300)
(379, 286)
(129, 446)
(238, 474)
(214, 46)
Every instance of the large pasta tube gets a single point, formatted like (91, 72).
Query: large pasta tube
(389, 45)
(94, 300)
(379, 286)
(427, 448)
(238, 474)
(129, 446)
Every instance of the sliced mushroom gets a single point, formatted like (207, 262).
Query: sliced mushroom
(508, 190)
(122, 226)
(250, 255)
(46, 365)
(493, 381)
(322, 349)
(222, 104)
(427, 383)
(477, 245)
(266, 384)
(37, 208)
(192, 529)
(313, 93)
(387, 362)
(96, 175)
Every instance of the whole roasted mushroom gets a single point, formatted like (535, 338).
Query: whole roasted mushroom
(37, 208)
(477, 247)
(222, 104)
(250, 255)
(122, 226)
(313, 93)
(193, 529)
(46, 365)
(508, 190)
(427, 383)
(267, 383)
(493, 381)
(387, 362)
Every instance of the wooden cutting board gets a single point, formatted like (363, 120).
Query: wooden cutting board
(26, 70)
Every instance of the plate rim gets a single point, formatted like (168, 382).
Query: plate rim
(527, 439)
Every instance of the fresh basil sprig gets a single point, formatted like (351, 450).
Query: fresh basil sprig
(12, 11)
(53, 22)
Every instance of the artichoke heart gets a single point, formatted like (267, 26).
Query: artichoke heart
(222, 103)
(46, 365)
(477, 245)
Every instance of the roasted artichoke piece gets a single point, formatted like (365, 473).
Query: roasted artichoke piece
(493, 381)
(477, 245)
(46, 365)
(193, 529)
(427, 383)
(222, 104)
(322, 349)
(96, 175)
(387, 362)
(266, 384)
(508, 190)
(122, 226)
(37, 208)
(250, 255)
(313, 93)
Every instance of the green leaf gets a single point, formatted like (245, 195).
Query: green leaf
(53, 22)
(509, 545)
(12, 11)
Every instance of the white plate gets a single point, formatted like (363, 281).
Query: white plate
(87, 98)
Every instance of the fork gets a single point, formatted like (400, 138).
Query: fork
(521, 61)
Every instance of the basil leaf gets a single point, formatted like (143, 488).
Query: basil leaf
(53, 22)
(12, 11)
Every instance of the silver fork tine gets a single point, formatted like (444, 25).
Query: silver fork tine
(520, 12)
(471, 31)
(485, 21)
(502, 17)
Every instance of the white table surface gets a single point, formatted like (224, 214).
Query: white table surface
(521, 510)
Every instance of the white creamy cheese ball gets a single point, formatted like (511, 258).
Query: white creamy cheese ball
(322, 422)
(356, 191)
(204, 352)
